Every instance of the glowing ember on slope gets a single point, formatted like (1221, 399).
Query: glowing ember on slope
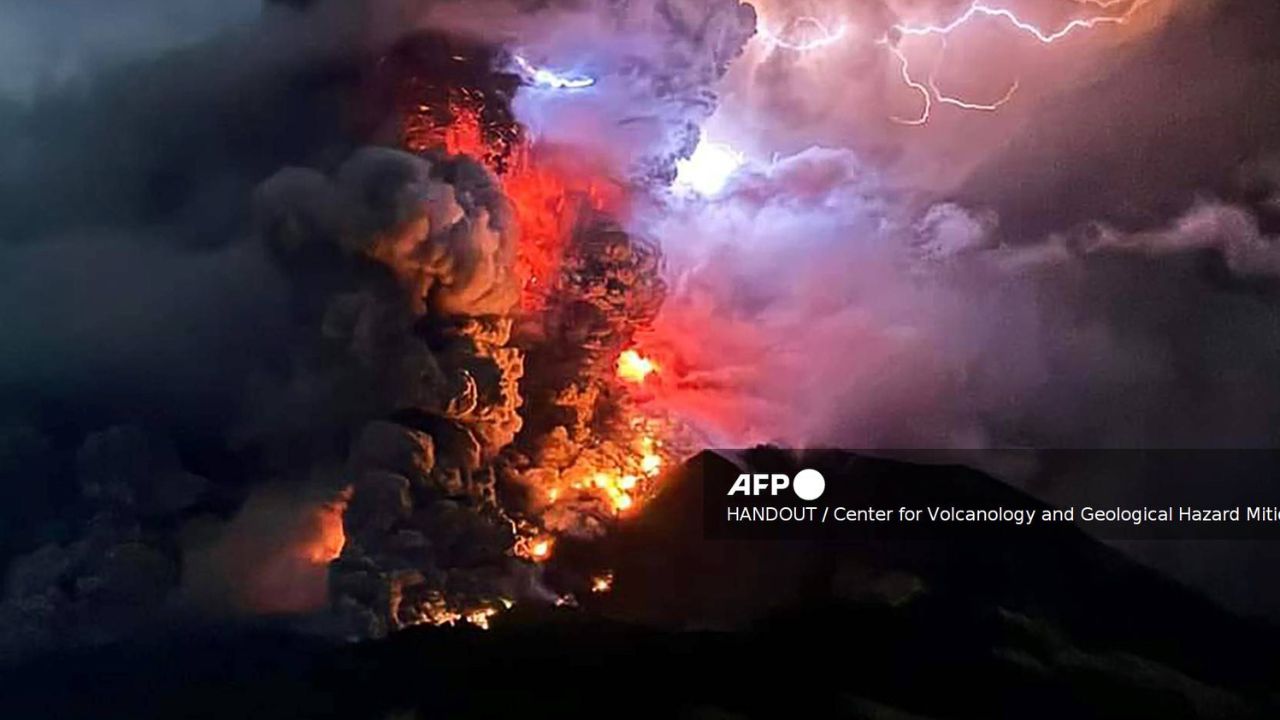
(480, 618)
(537, 548)
(439, 612)
(602, 583)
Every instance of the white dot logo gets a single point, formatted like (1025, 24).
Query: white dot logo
(809, 484)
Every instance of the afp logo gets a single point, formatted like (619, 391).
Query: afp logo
(807, 484)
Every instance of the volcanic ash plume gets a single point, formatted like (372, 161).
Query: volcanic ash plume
(654, 64)
(378, 373)
(430, 335)
(115, 576)
(399, 384)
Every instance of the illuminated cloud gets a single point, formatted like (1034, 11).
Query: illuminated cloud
(709, 169)
(545, 78)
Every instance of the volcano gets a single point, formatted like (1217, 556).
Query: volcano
(368, 359)
(1061, 626)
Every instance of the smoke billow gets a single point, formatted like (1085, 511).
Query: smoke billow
(1090, 267)
(360, 259)
(43, 45)
(188, 366)
(654, 64)
(813, 306)
(293, 357)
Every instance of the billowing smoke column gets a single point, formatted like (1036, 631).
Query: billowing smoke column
(400, 272)
(585, 453)
(434, 334)
(426, 397)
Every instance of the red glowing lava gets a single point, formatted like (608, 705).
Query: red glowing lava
(549, 191)
(634, 367)
(586, 285)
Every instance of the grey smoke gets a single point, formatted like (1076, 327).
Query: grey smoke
(45, 45)
(1094, 266)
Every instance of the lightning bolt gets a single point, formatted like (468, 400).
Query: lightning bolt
(543, 77)
(912, 83)
(980, 9)
(930, 92)
(823, 37)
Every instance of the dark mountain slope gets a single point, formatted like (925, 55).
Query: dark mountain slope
(1054, 626)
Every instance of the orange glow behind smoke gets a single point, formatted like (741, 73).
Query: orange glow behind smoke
(537, 549)
(624, 478)
(548, 193)
(465, 135)
(548, 199)
(541, 548)
(326, 536)
(273, 556)
(634, 367)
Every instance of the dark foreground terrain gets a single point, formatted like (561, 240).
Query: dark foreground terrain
(1058, 626)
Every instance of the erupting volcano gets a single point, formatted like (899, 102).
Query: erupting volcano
(584, 451)
(418, 336)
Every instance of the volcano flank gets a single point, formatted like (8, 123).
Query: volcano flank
(1060, 626)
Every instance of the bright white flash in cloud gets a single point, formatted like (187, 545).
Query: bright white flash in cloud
(542, 77)
(708, 170)
(807, 33)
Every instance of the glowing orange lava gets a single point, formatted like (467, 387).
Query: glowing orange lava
(621, 474)
(634, 367)
(548, 193)
(327, 536)
(602, 583)
(537, 549)
(465, 135)
(614, 469)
